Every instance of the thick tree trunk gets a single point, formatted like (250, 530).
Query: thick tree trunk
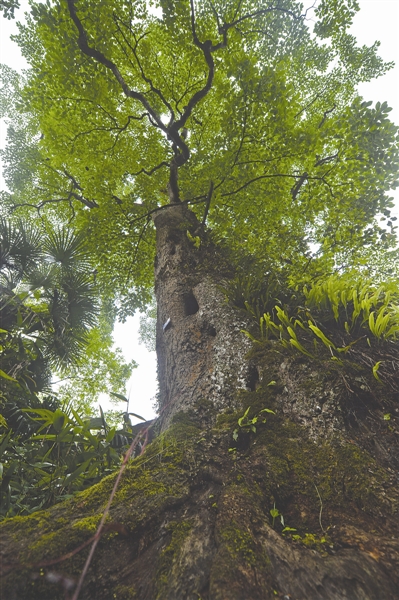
(202, 513)
(200, 348)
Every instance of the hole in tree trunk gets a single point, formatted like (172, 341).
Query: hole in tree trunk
(253, 379)
(190, 304)
(208, 329)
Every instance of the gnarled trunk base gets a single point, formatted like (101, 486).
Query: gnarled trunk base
(192, 517)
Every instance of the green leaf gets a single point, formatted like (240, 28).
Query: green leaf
(5, 376)
(94, 423)
(4, 442)
(77, 473)
(317, 331)
(110, 435)
(137, 416)
(299, 347)
(120, 396)
(375, 370)
(244, 416)
(59, 420)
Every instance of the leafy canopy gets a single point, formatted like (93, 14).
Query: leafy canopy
(7, 7)
(238, 108)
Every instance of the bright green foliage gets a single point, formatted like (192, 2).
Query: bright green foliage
(122, 97)
(100, 371)
(248, 424)
(341, 315)
(359, 304)
(65, 454)
(147, 328)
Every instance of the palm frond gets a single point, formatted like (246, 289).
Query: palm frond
(66, 248)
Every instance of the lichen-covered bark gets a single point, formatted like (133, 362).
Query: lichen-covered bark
(200, 348)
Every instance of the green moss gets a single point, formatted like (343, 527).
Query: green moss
(228, 419)
(239, 544)
(35, 522)
(47, 544)
(179, 531)
(315, 542)
(89, 524)
(280, 464)
(184, 424)
(54, 543)
(343, 472)
(124, 592)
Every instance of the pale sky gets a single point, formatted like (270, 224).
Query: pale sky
(377, 20)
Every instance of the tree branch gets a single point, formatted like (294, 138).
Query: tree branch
(74, 182)
(99, 57)
(296, 188)
(206, 48)
(326, 113)
(262, 11)
(118, 128)
(322, 179)
(325, 160)
(148, 80)
(39, 206)
(151, 171)
(82, 199)
(208, 203)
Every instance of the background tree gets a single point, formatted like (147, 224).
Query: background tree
(7, 7)
(48, 303)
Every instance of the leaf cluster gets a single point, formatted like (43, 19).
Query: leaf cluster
(343, 318)
(7, 7)
(64, 453)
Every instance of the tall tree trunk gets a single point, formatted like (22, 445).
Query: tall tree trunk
(201, 350)
(302, 505)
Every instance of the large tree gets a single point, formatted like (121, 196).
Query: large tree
(227, 141)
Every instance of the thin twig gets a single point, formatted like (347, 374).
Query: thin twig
(105, 514)
(321, 509)
(208, 203)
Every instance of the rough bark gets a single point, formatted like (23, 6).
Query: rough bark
(192, 516)
(200, 348)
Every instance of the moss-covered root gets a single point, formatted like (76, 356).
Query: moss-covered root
(254, 561)
(192, 521)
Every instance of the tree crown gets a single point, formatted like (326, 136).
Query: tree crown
(238, 109)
